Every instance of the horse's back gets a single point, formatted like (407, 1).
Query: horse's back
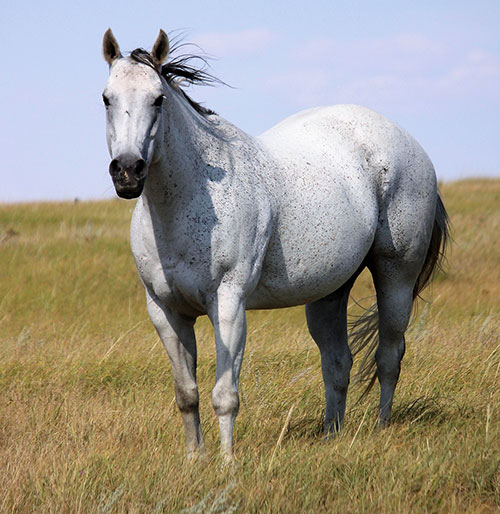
(346, 134)
(338, 168)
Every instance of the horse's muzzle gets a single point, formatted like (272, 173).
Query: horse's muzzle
(128, 174)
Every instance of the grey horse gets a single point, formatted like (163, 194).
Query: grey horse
(227, 222)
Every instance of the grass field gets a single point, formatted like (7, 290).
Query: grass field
(88, 421)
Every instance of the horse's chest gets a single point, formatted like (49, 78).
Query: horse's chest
(170, 279)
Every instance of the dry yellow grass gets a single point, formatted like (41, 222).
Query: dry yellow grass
(87, 417)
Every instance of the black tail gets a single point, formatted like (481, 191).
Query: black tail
(364, 329)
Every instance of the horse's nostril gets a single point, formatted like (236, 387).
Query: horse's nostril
(139, 166)
(114, 167)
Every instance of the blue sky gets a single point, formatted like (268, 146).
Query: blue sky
(431, 66)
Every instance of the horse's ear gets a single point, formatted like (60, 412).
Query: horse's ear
(110, 48)
(160, 49)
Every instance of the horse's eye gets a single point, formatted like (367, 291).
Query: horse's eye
(105, 99)
(158, 101)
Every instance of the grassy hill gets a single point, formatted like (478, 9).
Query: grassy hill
(88, 421)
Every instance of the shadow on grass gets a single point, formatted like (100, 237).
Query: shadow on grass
(419, 411)
(430, 410)
(306, 428)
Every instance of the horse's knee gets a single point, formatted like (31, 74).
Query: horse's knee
(343, 361)
(225, 399)
(336, 369)
(187, 397)
(388, 358)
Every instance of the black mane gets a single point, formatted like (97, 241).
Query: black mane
(178, 70)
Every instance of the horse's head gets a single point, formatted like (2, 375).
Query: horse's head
(133, 97)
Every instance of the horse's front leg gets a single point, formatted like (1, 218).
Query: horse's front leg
(227, 313)
(177, 335)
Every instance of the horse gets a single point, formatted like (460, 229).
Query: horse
(227, 222)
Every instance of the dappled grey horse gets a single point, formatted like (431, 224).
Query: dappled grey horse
(226, 222)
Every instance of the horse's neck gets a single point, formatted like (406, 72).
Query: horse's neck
(196, 152)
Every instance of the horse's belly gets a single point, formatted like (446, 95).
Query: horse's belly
(303, 265)
(299, 283)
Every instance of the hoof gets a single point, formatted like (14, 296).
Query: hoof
(331, 431)
(383, 423)
(196, 454)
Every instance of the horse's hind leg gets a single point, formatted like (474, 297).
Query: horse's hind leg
(327, 323)
(394, 283)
